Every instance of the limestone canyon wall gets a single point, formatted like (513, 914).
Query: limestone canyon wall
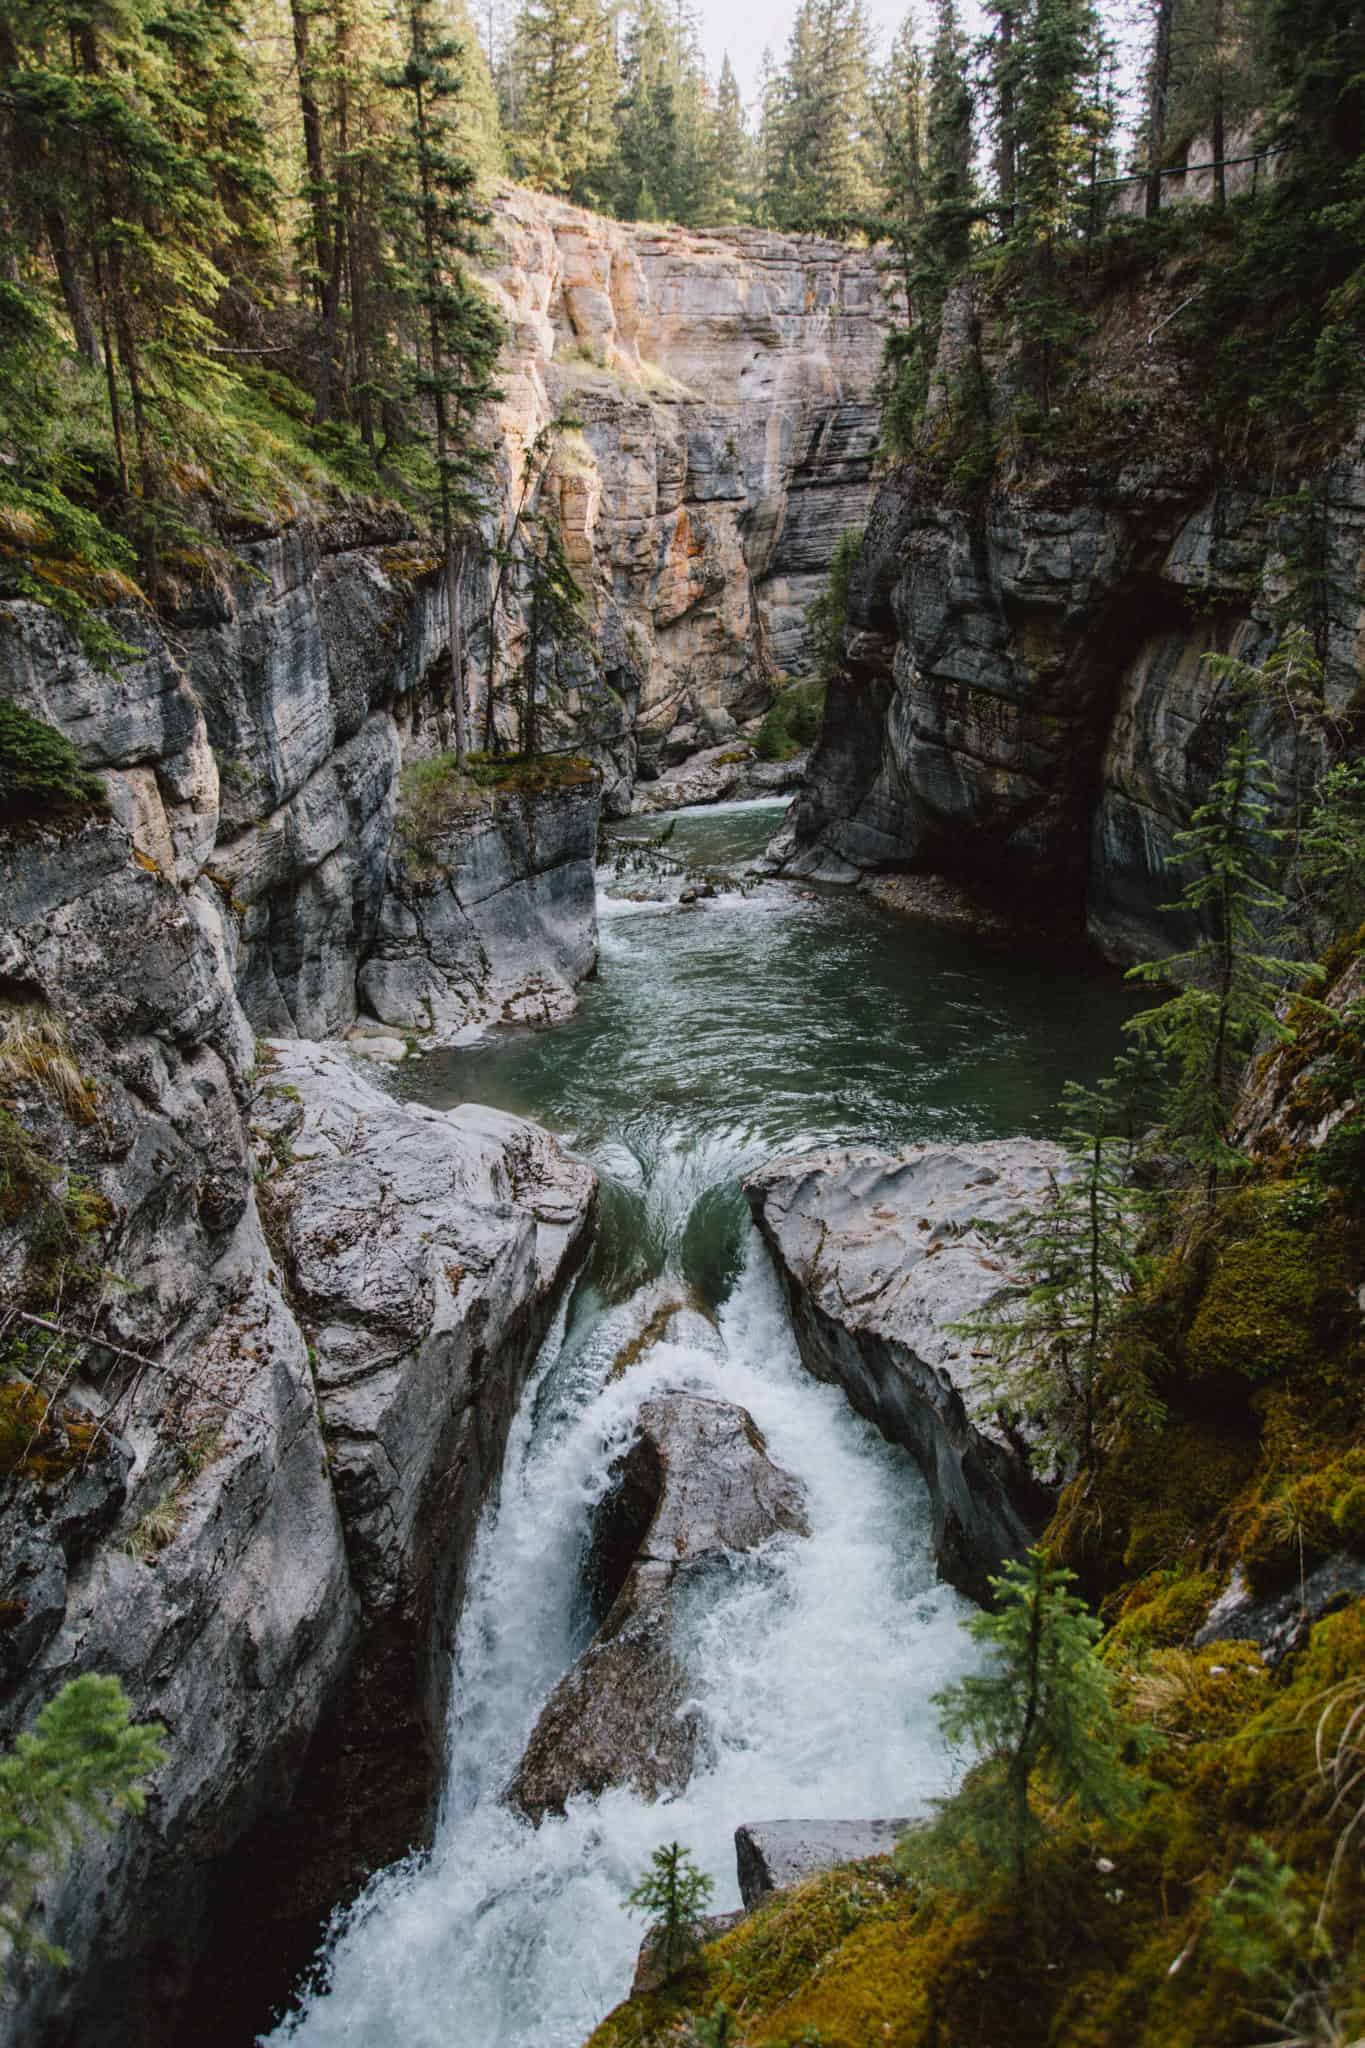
(1025, 699)
(727, 388)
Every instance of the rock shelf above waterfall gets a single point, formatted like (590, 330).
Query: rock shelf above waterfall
(695, 1488)
(881, 1255)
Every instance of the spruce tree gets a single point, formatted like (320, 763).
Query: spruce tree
(730, 175)
(820, 149)
(1042, 1722)
(900, 114)
(673, 1893)
(79, 1764)
(463, 334)
(1228, 986)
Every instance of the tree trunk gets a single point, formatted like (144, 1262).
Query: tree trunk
(72, 284)
(317, 193)
(1007, 158)
(1156, 109)
(1220, 181)
(455, 618)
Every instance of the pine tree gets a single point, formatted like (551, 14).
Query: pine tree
(1003, 94)
(1059, 58)
(819, 167)
(673, 1892)
(463, 334)
(1158, 99)
(564, 60)
(1228, 987)
(731, 168)
(900, 114)
(947, 229)
(78, 1765)
(1042, 1721)
(1075, 1268)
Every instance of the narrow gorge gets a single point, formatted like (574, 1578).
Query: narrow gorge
(556, 1279)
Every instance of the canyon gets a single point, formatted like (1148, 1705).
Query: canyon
(334, 1298)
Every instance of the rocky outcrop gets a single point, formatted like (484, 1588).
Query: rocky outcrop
(494, 921)
(695, 1487)
(254, 753)
(319, 1350)
(726, 387)
(732, 774)
(881, 1255)
(773, 1855)
(1025, 698)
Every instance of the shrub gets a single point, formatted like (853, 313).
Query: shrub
(793, 723)
(40, 770)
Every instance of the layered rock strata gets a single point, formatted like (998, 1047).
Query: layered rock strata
(881, 1255)
(725, 386)
(1026, 699)
(253, 753)
(495, 921)
(695, 1488)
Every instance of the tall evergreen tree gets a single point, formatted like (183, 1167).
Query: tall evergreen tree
(463, 334)
(730, 174)
(1003, 75)
(564, 59)
(949, 187)
(820, 149)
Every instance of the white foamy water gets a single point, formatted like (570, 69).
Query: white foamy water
(813, 1665)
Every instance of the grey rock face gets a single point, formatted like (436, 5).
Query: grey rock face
(725, 774)
(774, 1854)
(695, 1487)
(1279, 1622)
(1025, 697)
(498, 923)
(273, 1541)
(880, 1254)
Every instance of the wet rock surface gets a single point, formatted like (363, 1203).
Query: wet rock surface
(695, 1488)
(880, 1254)
(264, 1551)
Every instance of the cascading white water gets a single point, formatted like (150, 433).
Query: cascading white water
(812, 1664)
(762, 1021)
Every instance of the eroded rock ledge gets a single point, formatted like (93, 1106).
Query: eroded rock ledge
(880, 1254)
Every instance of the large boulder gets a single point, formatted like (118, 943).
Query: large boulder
(695, 1487)
(882, 1254)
